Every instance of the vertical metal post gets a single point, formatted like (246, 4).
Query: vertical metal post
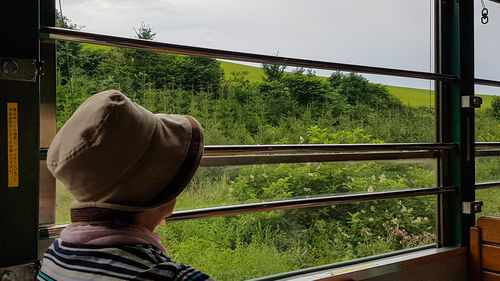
(19, 180)
(456, 56)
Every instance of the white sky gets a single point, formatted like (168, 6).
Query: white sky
(384, 33)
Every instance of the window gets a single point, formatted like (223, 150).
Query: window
(331, 168)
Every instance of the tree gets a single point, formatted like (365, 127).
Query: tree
(305, 88)
(495, 107)
(144, 32)
(358, 90)
(67, 52)
(273, 72)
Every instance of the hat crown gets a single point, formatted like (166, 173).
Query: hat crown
(113, 153)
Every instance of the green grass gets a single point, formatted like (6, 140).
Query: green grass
(491, 200)
(255, 74)
(413, 97)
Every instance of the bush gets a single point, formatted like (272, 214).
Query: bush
(495, 107)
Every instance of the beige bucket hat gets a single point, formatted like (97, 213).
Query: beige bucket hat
(114, 154)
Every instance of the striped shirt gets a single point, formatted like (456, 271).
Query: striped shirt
(66, 261)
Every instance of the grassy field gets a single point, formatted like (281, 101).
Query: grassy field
(254, 73)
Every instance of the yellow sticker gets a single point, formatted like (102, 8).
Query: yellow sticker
(12, 144)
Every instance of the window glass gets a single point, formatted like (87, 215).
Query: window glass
(386, 33)
(486, 43)
(252, 245)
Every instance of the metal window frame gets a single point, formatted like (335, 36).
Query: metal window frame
(454, 147)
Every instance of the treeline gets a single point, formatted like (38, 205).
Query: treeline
(230, 107)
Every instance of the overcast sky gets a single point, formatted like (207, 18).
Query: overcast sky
(384, 33)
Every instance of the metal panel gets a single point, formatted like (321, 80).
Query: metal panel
(47, 201)
(454, 48)
(19, 208)
(93, 38)
(47, 114)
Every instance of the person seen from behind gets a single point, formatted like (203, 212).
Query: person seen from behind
(125, 166)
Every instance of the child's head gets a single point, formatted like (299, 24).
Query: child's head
(119, 159)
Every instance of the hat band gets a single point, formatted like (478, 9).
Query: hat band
(101, 214)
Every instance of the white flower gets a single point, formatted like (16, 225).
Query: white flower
(370, 219)
(252, 177)
(372, 208)
(311, 174)
(231, 190)
(306, 189)
(382, 178)
(370, 188)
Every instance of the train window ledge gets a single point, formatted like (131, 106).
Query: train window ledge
(425, 263)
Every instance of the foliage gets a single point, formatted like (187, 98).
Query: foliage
(358, 90)
(144, 32)
(67, 52)
(495, 107)
(273, 72)
(318, 135)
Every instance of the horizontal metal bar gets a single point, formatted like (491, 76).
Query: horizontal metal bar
(213, 150)
(208, 161)
(301, 148)
(485, 153)
(54, 231)
(108, 40)
(486, 82)
(304, 203)
(485, 185)
(482, 145)
(49, 232)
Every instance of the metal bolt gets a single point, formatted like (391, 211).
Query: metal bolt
(476, 102)
(8, 276)
(10, 67)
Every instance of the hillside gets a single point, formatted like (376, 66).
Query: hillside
(409, 96)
